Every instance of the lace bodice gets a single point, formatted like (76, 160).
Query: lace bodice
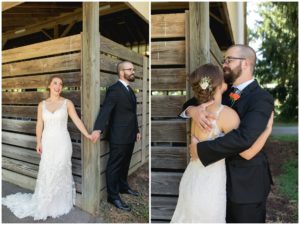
(57, 120)
(215, 132)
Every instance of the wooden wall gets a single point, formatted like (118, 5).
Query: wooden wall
(25, 73)
(169, 62)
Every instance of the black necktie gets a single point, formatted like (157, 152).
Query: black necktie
(131, 93)
(235, 90)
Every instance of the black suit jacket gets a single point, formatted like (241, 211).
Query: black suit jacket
(248, 181)
(118, 115)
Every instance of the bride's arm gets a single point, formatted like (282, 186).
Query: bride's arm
(76, 120)
(259, 143)
(39, 129)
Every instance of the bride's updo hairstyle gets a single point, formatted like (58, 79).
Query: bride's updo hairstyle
(204, 81)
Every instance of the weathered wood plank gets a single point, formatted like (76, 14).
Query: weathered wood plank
(168, 79)
(215, 50)
(30, 98)
(34, 98)
(198, 34)
(24, 168)
(168, 53)
(47, 48)
(115, 49)
(27, 141)
(165, 183)
(168, 25)
(71, 79)
(162, 207)
(18, 179)
(30, 126)
(45, 65)
(164, 157)
(168, 131)
(23, 111)
(166, 106)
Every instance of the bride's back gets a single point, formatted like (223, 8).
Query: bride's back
(226, 120)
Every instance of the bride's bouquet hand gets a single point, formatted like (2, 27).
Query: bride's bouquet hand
(39, 149)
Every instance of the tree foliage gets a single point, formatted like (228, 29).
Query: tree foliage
(278, 61)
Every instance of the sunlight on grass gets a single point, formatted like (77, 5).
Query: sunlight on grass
(286, 138)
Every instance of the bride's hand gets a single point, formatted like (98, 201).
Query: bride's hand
(201, 116)
(90, 137)
(39, 149)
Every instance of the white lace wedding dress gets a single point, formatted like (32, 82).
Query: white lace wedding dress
(54, 193)
(202, 190)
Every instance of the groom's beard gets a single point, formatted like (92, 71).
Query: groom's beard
(230, 75)
(130, 77)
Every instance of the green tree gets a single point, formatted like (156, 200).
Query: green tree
(278, 61)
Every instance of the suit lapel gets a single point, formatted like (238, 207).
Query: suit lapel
(245, 92)
(249, 88)
(125, 91)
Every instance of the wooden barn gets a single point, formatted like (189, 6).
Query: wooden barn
(40, 39)
(183, 37)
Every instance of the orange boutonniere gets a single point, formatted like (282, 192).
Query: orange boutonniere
(234, 97)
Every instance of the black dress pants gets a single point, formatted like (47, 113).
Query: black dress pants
(246, 213)
(117, 169)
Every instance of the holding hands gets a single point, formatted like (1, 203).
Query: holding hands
(96, 134)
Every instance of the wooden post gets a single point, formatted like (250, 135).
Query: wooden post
(90, 104)
(199, 34)
(198, 45)
(145, 102)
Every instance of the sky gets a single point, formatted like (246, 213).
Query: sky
(251, 13)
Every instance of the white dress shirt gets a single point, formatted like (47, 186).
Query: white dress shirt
(124, 83)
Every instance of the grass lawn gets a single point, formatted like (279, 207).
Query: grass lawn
(286, 138)
(282, 205)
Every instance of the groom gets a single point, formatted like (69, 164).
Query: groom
(248, 181)
(119, 113)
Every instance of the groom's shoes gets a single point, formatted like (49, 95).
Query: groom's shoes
(119, 204)
(130, 192)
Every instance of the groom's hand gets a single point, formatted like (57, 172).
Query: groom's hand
(96, 134)
(193, 148)
(201, 116)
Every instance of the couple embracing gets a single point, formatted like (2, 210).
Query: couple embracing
(228, 178)
(54, 193)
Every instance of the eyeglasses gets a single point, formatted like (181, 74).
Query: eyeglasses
(130, 69)
(228, 59)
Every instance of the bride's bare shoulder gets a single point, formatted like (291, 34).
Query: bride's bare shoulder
(228, 119)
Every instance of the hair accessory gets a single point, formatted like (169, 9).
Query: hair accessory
(205, 82)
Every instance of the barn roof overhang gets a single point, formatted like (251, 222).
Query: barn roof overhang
(31, 22)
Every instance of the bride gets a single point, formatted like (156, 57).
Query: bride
(54, 193)
(202, 190)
